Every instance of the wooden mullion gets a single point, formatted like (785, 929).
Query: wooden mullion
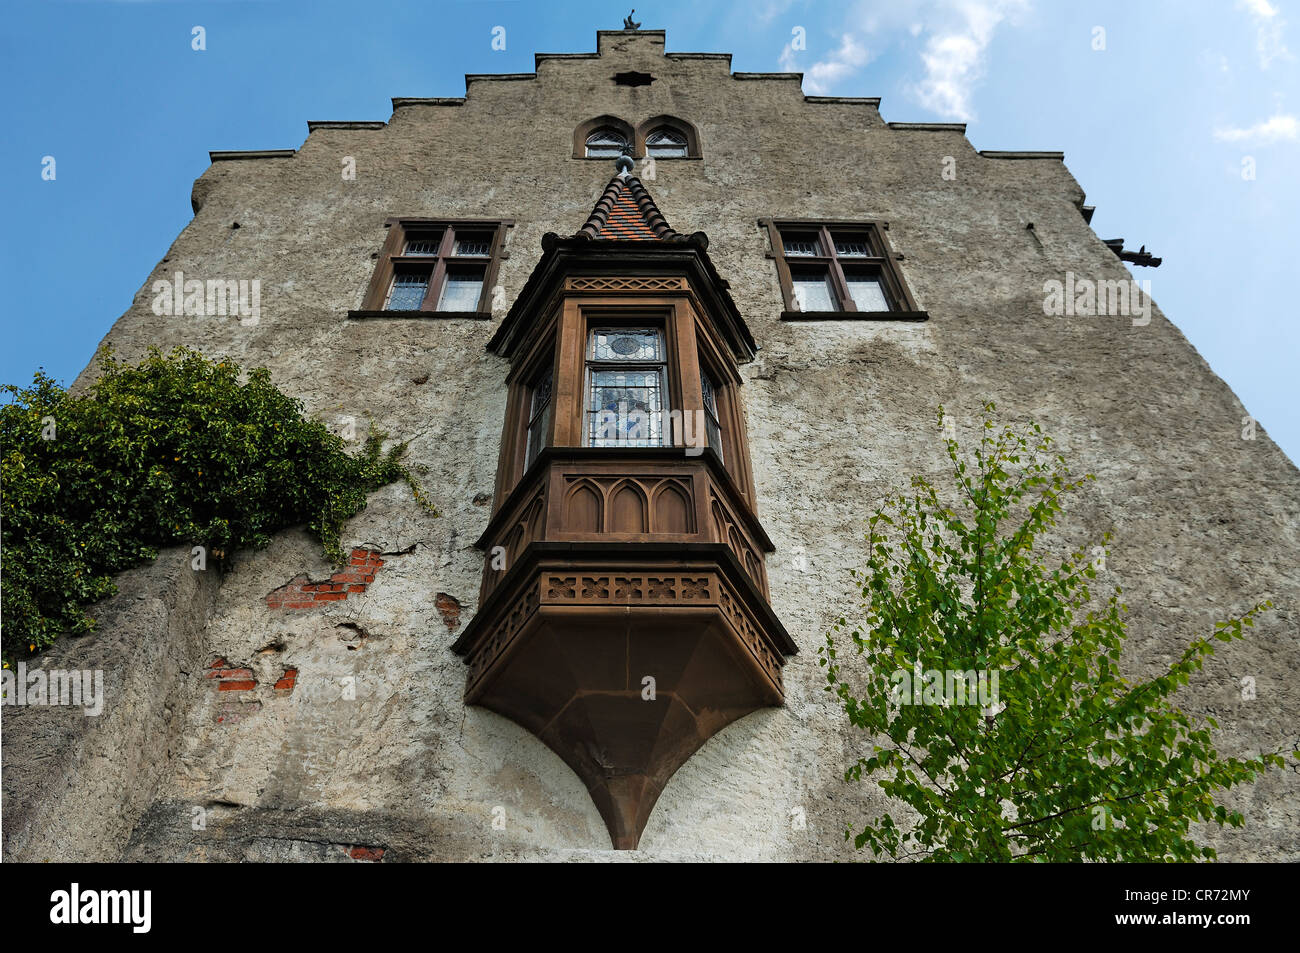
(837, 272)
(784, 278)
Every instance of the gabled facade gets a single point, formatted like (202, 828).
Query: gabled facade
(471, 685)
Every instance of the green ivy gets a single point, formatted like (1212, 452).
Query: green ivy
(177, 449)
(1073, 760)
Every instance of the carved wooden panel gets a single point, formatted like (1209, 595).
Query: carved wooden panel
(728, 529)
(503, 634)
(650, 505)
(624, 285)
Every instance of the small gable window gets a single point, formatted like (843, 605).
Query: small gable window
(666, 143)
(606, 143)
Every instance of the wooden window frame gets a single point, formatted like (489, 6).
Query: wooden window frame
(882, 261)
(391, 258)
(562, 344)
(671, 123)
(592, 365)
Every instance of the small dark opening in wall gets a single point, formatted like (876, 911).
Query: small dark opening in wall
(633, 79)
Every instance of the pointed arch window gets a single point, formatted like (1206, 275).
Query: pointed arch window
(666, 143)
(606, 143)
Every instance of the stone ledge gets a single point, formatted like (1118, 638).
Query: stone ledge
(855, 315)
(229, 155)
(992, 154)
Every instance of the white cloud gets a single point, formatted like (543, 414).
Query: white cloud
(1273, 129)
(1269, 43)
(955, 35)
(818, 78)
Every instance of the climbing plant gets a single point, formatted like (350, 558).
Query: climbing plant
(175, 449)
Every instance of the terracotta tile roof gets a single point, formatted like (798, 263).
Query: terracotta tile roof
(626, 212)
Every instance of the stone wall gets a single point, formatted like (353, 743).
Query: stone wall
(373, 747)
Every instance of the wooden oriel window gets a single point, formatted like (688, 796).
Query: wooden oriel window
(838, 269)
(608, 373)
(436, 266)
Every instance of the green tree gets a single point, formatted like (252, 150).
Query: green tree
(1072, 761)
(177, 449)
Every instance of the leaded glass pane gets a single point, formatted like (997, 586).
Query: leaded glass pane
(710, 399)
(605, 144)
(423, 244)
(462, 289)
(867, 292)
(408, 291)
(712, 430)
(813, 292)
(625, 345)
(852, 247)
(666, 143)
(473, 246)
(801, 246)
(625, 409)
(539, 424)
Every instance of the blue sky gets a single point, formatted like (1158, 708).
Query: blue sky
(1159, 127)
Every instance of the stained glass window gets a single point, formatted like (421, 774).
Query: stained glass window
(625, 397)
(621, 345)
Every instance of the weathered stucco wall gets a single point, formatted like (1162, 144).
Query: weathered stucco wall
(839, 413)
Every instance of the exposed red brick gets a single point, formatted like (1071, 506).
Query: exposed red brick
(449, 608)
(303, 593)
(230, 673)
(286, 681)
(240, 686)
(367, 853)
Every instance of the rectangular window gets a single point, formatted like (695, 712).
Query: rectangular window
(867, 291)
(462, 289)
(445, 267)
(409, 288)
(838, 269)
(626, 388)
(711, 426)
(539, 416)
(813, 290)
